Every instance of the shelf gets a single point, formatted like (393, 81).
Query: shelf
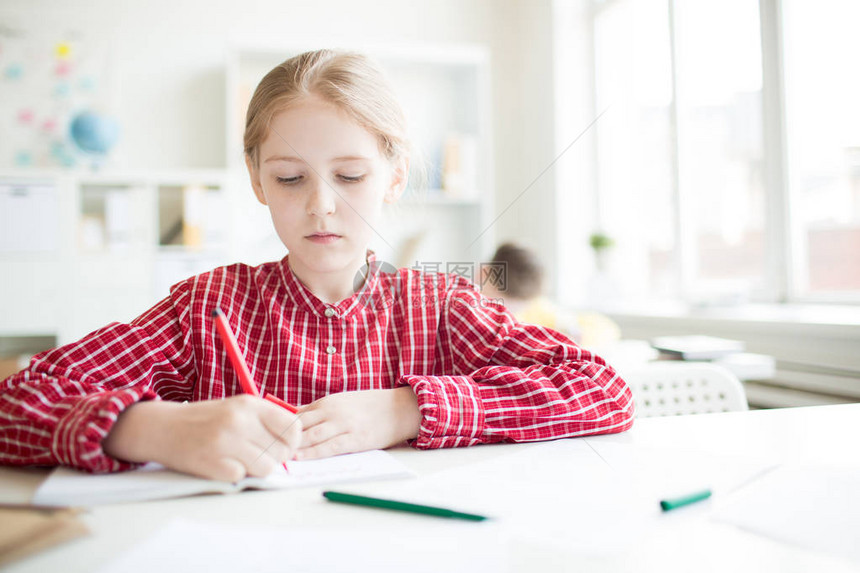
(16, 344)
(106, 220)
(438, 197)
(30, 211)
(16, 349)
(191, 216)
(105, 244)
(183, 252)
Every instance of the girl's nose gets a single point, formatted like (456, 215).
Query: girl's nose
(322, 198)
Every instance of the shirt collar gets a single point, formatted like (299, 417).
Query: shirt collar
(304, 299)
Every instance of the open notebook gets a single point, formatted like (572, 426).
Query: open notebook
(68, 487)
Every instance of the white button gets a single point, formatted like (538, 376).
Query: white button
(330, 312)
(331, 349)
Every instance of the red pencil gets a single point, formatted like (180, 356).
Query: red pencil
(233, 352)
(281, 403)
(239, 365)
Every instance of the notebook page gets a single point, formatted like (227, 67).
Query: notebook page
(69, 487)
(374, 464)
(813, 507)
(65, 486)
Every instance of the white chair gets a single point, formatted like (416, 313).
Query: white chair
(667, 388)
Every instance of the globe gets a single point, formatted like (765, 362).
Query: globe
(94, 133)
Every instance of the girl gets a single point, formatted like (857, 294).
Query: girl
(411, 356)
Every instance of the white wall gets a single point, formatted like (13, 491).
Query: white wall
(575, 121)
(524, 127)
(168, 86)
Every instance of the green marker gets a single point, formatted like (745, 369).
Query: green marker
(400, 506)
(676, 502)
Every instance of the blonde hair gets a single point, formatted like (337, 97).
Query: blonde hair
(350, 81)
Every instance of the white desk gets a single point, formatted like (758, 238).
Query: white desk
(683, 541)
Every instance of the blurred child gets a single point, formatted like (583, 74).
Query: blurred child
(520, 286)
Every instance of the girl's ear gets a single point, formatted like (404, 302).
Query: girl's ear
(254, 173)
(399, 179)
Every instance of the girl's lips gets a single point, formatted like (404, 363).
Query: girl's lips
(323, 238)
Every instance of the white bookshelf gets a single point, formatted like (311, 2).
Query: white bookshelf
(84, 249)
(445, 90)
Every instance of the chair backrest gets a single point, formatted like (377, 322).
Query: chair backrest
(667, 388)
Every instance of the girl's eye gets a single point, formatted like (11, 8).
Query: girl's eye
(288, 180)
(352, 178)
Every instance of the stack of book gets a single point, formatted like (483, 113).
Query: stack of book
(723, 351)
(696, 347)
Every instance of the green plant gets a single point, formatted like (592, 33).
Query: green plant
(600, 241)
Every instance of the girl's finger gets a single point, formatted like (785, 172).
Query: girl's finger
(226, 469)
(320, 433)
(340, 444)
(312, 417)
(263, 436)
(281, 426)
(271, 446)
(257, 461)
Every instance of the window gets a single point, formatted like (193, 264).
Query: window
(633, 83)
(822, 91)
(684, 151)
(718, 101)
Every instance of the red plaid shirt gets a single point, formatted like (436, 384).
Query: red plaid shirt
(479, 375)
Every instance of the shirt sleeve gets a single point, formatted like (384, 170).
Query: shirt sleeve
(509, 381)
(58, 410)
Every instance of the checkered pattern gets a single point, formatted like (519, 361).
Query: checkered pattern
(480, 376)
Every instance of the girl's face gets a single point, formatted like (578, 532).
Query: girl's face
(324, 180)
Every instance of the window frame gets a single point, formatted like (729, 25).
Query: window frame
(783, 242)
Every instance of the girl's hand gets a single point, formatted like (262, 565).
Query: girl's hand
(218, 439)
(357, 421)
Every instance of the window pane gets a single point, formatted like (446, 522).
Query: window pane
(634, 153)
(823, 129)
(719, 82)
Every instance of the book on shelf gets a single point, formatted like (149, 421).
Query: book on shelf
(460, 165)
(696, 347)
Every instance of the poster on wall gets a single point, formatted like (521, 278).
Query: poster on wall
(54, 99)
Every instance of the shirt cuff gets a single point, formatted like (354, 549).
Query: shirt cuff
(452, 413)
(77, 439)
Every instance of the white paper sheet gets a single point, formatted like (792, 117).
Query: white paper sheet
(576, 496)
(439, 545)
(659, 473)
(558, 494)
(66, 486)
(816, 508)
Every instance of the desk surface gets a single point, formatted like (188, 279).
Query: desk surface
(823, 435)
